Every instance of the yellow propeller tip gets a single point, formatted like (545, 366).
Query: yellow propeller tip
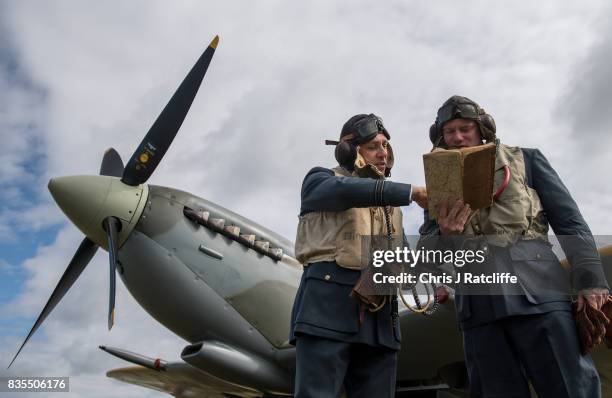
(214, 42)
(111, 320)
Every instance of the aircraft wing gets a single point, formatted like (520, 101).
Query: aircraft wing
(180, 380)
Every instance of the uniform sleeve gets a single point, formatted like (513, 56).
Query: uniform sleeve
(566, 221)
(324, 191)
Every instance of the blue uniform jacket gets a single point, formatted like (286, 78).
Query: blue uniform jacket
(534, 259)
(323, 306)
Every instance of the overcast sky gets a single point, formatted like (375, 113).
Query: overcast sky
(77, 77)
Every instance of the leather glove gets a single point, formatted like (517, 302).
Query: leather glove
(591, 324)
(372, 294)
(607, 310)
(365, 291)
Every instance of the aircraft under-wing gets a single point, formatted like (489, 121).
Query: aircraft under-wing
(232, 281)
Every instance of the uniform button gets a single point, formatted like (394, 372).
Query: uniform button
(538, 256)
(327, 277)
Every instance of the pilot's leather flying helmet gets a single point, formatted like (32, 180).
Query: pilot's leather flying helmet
(457, 107)
(358, 130)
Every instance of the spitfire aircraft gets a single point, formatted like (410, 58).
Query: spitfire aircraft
(233, 281)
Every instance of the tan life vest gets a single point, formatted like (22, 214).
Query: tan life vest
(517, 213)
(338, 236)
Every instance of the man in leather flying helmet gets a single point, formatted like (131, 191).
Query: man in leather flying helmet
(343, 344)
(528, 335)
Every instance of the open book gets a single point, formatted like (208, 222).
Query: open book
(454, 174)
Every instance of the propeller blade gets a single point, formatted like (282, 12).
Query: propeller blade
(79, 261)
(112, 165)
(157, 141)
(111, 226)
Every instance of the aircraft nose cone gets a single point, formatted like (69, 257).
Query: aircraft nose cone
(88, 199)
(80, 197)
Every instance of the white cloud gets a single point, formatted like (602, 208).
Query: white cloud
(284, 78)
(67, 343)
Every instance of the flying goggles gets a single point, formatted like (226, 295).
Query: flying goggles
(363, 131)
(458, 111)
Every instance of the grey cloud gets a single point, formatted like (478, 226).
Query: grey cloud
(587, 101)
(22, 107)
(23, 112)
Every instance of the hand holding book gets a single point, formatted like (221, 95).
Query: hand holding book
(464, 174)
(451, 220)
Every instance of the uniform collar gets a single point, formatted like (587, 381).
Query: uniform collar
(365, 170)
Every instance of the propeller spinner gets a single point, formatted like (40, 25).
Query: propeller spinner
(106, 208)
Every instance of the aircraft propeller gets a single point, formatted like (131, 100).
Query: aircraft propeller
(79, 261)
(112, 165)
(157, 141)
(139, 168)
(111, 225)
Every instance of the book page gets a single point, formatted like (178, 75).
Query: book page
(455, 174)
(443, 178)
(478, 173)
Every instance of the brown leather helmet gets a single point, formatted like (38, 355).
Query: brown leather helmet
(458, 107)
(358, 130)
